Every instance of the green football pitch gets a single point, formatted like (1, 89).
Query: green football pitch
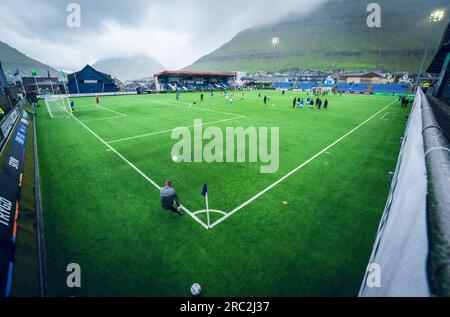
(305, 230)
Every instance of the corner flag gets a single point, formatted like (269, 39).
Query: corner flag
(205, 194)
(205, 190)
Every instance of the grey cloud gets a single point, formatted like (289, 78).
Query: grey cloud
(47, 18)
(199, 26)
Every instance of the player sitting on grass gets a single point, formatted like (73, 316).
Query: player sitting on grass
(169, 198)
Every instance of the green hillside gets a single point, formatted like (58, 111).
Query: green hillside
(335, 36)
(12, 60)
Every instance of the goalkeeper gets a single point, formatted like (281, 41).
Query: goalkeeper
(169, 199)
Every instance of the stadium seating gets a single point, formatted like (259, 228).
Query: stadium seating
(172, 87)
(394, 88)
(306, 85)
(353, 87)
(176, 86)
(283, 85)
(375, 88)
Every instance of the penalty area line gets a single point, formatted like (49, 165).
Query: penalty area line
(229, 214)
(181, 104)
(118, 113)
(103, 119)
(148, 179)
(170, 130)
(104, 108)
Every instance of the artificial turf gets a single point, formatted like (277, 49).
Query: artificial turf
(103, 215)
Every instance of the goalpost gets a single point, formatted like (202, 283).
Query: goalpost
(58, 106)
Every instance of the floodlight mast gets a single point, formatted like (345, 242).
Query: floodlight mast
(435, 18)
(275, 43)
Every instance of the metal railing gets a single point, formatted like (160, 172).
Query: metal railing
(412, 246)
(437, 158)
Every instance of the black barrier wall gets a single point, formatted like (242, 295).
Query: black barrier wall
(10, 182)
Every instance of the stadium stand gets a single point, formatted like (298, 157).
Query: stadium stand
(89, 81)
(306, 86)
(193, 81)
(283, 85)
(5, 104)
(39, 85)
(441, 65)
(357, 88)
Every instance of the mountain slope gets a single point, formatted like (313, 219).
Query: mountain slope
(334, 36)
(129, 68)
(12, 60)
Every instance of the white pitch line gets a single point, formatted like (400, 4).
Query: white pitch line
(170, 130)
(298, 168)
(95, 105)
(148, 179)
(102, 119)
(385, 115)
(177, 103)
(120, 114)
(211, 211)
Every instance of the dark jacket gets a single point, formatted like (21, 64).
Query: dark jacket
(168, 197)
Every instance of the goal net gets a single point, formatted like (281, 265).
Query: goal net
(58, 106)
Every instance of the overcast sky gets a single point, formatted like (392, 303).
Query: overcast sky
(174, 32)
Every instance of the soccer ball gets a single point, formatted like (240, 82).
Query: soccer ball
(196, 289)
(175, 158)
